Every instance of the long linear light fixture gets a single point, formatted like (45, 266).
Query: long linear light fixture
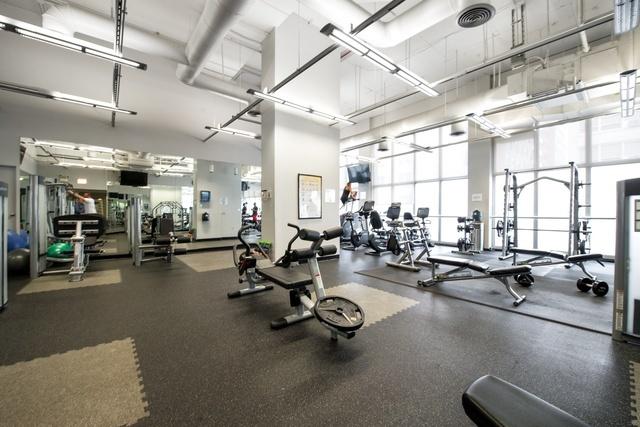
(34, 32)
(59, 96)
(378, 59)
(277, 100)
(231, 131)
(488, 125)
(627, 92)
(626, 15)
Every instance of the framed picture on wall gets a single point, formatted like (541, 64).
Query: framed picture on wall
(309, 196)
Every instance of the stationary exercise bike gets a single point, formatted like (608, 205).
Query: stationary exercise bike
(340, 315)
(356, 226)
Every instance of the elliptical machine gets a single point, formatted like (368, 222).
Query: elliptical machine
(356, 226)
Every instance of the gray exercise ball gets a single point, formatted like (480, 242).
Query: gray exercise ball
(18, 261)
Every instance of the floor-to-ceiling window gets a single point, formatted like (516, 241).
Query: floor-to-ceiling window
(419, 178)
(605, 149)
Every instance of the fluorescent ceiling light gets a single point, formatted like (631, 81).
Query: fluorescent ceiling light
(70, 164)
(378, 59)
(627, 93)
(72, 99)
(277, 100)
(34, 32)
(38, 143)
(43, 38)
(111, 168)
(170, 174)
(58, 96)
(232, 131)
(97, 149)
(488, 125)
(98, 159)
(626, 15)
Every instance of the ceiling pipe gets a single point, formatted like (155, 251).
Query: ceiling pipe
(216, 20)
(73, 20)
(220, 87)
(456, 114)
(346, 14)
(493, 61)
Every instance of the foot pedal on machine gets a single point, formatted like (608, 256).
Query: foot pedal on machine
(340, 313)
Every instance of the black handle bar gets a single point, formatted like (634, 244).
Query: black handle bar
(247, 248)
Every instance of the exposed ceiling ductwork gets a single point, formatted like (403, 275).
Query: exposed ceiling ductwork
(72, 21)
(475, 14)
(346, 14)
(217, 18)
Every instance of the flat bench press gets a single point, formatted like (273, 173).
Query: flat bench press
(492, 402)
(541, 257)
(464, 271)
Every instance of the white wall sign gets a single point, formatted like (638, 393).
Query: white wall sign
(476, 197)
(309, 196)
(330, 196)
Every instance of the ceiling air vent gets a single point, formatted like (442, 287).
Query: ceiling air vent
(475, 15)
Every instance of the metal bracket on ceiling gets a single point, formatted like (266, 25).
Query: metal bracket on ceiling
(120, 11)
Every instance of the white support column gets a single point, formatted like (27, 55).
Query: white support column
(480, 176)
(294, 142)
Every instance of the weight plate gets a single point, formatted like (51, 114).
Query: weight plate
(600, 288)
(584, 284)
(525, 280)
(340, 313)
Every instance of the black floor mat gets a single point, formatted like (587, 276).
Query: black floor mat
(553, 297)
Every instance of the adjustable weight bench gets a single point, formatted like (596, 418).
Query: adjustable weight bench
(541, 257)
(493, 402)
(464, 271)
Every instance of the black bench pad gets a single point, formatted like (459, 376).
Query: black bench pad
(538, 252)
(509, 271)
(288, 278)
(490, 401)
(458, 262)
(584, 257)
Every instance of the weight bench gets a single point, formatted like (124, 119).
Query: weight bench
(491, 401)
(541, 257)
(464, 271)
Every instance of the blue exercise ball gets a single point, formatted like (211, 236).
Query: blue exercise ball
(24, 238)
(18, 261)
(13, 241)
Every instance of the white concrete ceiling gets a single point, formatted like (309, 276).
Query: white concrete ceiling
(163, 102)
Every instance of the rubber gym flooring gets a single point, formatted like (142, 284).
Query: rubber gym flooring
(162, 345)
(554, 296)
